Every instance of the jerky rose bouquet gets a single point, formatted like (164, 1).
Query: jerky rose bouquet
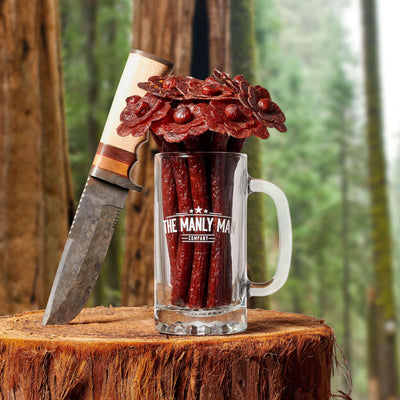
(189, 115)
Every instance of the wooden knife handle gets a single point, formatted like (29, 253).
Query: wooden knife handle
(116, 155)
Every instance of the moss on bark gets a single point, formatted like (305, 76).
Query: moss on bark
(383, 319)
(244, 62)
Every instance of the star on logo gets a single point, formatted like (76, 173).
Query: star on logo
(205, 211)
(191, 211)
(198, 210)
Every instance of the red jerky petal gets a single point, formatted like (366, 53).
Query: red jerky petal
(196, 126)
(139, 126)
(154, 85)
(218, 122)
(173, 137)
(155, 90)
(224, 79)
(160, 112)
(254, 94)
(137, 130)
(195, 89)
(129, 115)
(260, 131)
(274, 114)
(262, 92)
(212, 80)
(220, 127)
(243, 99)
(244, 87)
(252, 98)
(239, 78)
(123, 130)
(281, 127)
(218, 116)
(182, 86)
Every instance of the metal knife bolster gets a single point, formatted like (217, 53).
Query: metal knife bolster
(113, 164)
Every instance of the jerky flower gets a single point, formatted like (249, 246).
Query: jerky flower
(256, 98)
(140, 113)
(177, 107)
(264, 109)
(232, 118)
(164, 86)
(186, 119)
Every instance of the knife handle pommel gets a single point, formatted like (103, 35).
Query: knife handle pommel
(115, 154)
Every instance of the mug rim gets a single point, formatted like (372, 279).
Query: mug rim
(187, 154)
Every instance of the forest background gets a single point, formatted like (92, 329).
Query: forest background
(303, 54)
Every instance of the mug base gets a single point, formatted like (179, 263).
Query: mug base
(225, 320)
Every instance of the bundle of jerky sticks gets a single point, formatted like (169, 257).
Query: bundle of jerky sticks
(189, 115)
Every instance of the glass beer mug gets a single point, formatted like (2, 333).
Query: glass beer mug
(200, 221)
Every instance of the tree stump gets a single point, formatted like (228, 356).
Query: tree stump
(116, 353)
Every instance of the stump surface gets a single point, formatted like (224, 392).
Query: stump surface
(116, 353)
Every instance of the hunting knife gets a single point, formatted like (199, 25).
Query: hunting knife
(102, 199)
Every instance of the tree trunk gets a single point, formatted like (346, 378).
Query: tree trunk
(173, 42)
(164, 29)
(36, 196)
(244, 62)
(110, 353)
(345, 250)
(383, 303)
(219, 37)
(92, 119)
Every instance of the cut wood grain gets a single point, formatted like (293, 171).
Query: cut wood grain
(116, 353)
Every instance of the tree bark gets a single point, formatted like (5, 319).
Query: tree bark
(383, 308)
(244, 62)
(36, 196)
(164, 29)
(219, 37)
(346, 250)
(109, 353)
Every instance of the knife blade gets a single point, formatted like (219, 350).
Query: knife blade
(104, 196)
(85, 250)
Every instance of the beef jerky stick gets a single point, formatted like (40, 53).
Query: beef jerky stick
(184, 255)
(216, 281)
(201, 205)
(169, 198)
(170, 208)
(234, 145)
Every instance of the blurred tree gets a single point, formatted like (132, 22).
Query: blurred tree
(96, 44)
(244, 62)
(305, 61)
(36, 195)
(164, 29)
(382, 347)
(194, 35)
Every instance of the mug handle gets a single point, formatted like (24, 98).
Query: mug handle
(285, 238)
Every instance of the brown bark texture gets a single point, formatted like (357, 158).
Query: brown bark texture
(36, 195)
(244, 62)
(115, 353)
(383, 371)
(164, 29)
(219, 36)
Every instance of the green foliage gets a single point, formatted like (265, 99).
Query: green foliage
(110, 50)
(305, 63)
(104, 53)
(243, 49)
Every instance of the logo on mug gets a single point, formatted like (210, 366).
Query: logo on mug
(197, 226)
